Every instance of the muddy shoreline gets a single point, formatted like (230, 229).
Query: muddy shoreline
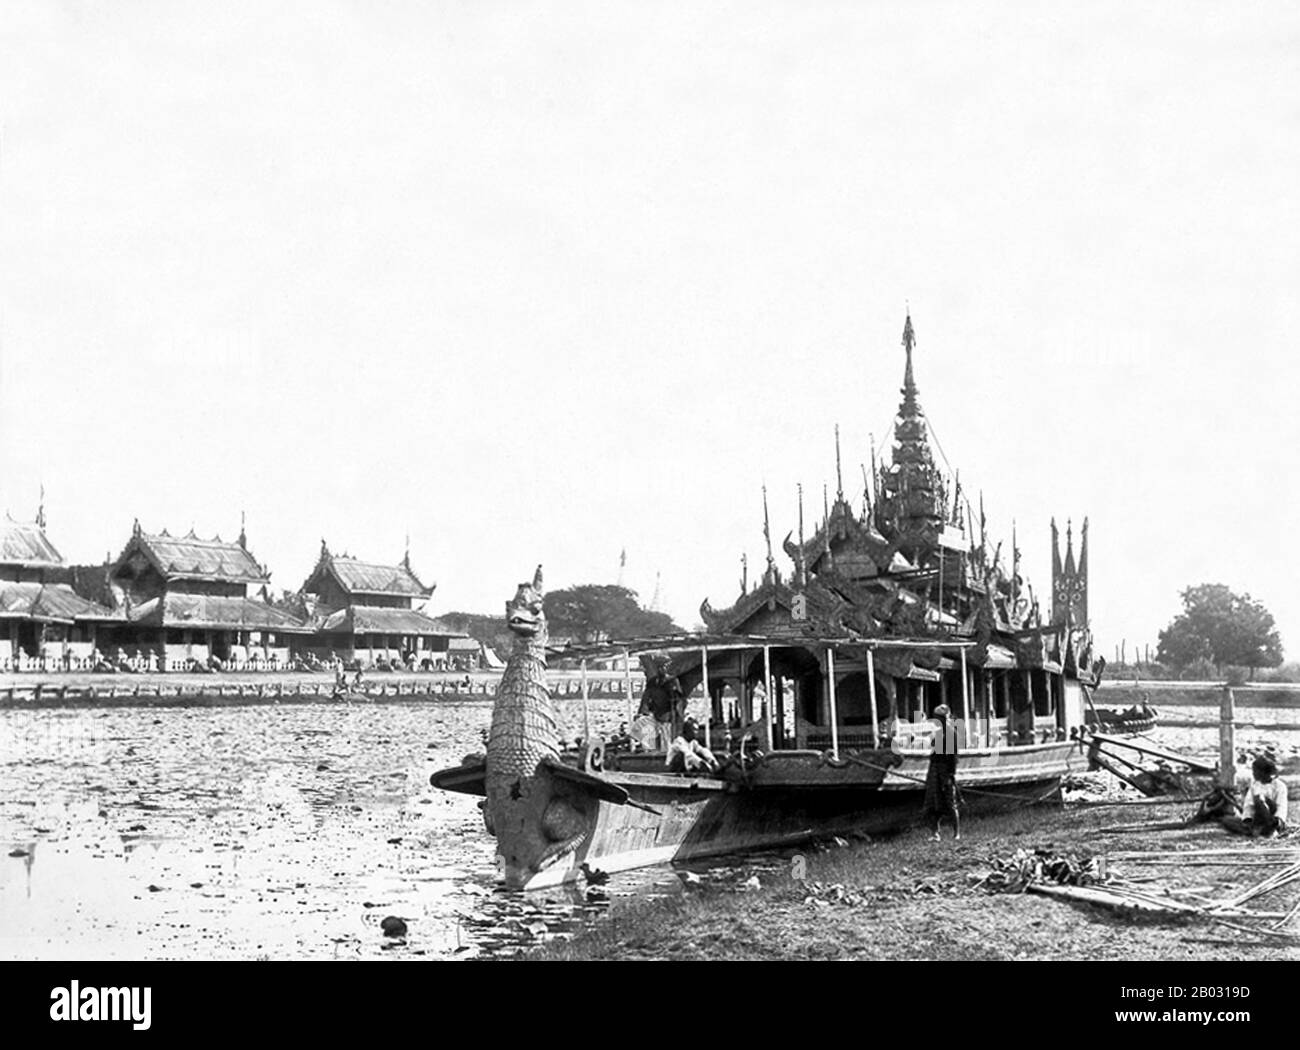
(292, 830)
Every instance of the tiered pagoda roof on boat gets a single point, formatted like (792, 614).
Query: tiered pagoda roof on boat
(906, 566)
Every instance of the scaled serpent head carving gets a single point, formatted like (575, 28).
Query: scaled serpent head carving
(531, 814)
(525, 614)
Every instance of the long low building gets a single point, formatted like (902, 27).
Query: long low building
(45, 625)
(170, 603)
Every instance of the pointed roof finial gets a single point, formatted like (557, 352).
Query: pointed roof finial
(40, 510)
(135, 528)
(767, 538)
(744, 573)
(839, 478)
(406, 557)
(801, 567)
(909, 341)
(243, 536)
(875, 472)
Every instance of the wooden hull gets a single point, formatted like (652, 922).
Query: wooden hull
(803, 796)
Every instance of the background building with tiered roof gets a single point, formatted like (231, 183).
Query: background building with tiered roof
(44, 623)
(185, 599)
(364, 613)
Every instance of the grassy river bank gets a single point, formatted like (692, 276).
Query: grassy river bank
(907, 897)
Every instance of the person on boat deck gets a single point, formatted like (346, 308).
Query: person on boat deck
(1263, 806)
(664, 701)
(687, 755)
(941, 776)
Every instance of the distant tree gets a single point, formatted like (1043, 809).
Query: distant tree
(488, 630)
(1222, 627)
(594, 612)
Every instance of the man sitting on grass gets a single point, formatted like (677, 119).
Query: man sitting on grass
(1263, 807)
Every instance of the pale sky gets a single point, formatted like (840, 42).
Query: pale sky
(543, 282)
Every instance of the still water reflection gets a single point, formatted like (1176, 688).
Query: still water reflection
(277, 831)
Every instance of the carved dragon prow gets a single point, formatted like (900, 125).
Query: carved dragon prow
(539, 808)
(536, 815)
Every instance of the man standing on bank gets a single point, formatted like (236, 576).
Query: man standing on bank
(941, 777)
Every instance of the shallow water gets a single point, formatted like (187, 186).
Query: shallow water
(264, 831)
(293, 831)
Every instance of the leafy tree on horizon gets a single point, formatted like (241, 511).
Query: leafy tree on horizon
(1224, 628)
(483, 628)
(594, 612)
(590, 612)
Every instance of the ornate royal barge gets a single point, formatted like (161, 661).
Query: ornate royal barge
(817, 688)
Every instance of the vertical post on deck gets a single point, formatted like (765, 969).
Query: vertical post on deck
(627, 685)
(586, 711)
(708, 701)
(871, 693)
(830, 678)
(1029, 700)
(769, 694)
(1227, 742)
(965, 698)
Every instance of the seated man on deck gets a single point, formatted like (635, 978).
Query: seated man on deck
(687, 755)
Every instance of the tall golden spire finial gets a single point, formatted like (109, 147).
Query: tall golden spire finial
(909, 341)
(839, 477)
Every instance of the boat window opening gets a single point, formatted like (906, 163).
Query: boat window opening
(1001, 693)
(916, 700)
(1020, 719)
(853, 699)
(812, 700)
(935, 696)
(950, 694)
(981, 701)
(1043, 700)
